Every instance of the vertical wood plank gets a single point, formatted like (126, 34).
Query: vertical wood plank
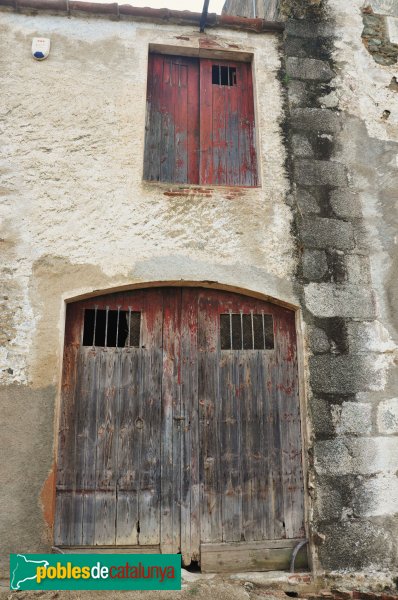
(180, 114)
(247, 143)
(63, 517)
(167, 140)
(206, 121)
(153, 124)
(287, 392)
(106, 460)
(232, 136)
(171, 425)
(254, 462)
(277, 522)
(190, 533)
(90, 452)
(66, 442)
(209, 420)
(219, 143)
(85, 445)
(248, 447)
(231, 367)
(252, 126)
(129, 448)
(263, 464)
(193, 121)
(151, 397)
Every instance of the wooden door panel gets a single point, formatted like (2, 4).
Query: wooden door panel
(227, 131)
(256, 423)
(172, 127)
(174, 442)
(108, 486)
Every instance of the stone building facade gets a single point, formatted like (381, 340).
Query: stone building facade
(317, 235)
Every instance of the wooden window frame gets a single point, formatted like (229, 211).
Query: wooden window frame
(220, 153)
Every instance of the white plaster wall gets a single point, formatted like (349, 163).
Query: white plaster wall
(73, 192)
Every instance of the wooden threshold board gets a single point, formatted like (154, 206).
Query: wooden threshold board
(108, 549)
(267, 555)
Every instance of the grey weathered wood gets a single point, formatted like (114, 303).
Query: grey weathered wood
(249, 546)
(65, 471)
(276, 492)
(66, 437)
(105, 517)
(178, 443)
(251, 434)
(63, 518)
(83, 518)
(260, 556)
(190, 524)
(180, 88)
(232, 123)
(88, 479)
(81, 403)
(105, 497)
(171, 436)
(218, 100)
(150, 392)
(292, 476)
(171, 143)
(167, 139)
(231, 444)
(129, 448)
(209, 424)
(153, 124)
(110, 549)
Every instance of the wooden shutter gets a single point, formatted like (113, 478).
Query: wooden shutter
(172, 128)
(227, 133)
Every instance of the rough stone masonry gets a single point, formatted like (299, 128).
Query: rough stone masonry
(343, 171)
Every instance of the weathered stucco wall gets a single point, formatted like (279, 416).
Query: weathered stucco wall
(77, 216)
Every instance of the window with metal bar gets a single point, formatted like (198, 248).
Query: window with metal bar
(200, 125)
(111, 328)
(239, 331)
(223, 75)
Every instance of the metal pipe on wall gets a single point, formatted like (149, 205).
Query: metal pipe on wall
(203, 18)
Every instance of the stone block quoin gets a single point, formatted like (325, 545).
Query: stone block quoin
(335, 293)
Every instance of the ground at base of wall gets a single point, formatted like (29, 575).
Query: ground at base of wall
(242, 586)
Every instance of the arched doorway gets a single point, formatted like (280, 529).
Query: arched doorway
(180, 426)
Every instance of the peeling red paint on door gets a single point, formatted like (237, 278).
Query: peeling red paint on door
(200, 126)
(177, 441)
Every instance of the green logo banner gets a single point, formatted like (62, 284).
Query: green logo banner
(95, 572)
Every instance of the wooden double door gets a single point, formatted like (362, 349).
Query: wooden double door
(179, 427)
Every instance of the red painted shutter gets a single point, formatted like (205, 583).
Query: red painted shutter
(172, 129)
(227, 132)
